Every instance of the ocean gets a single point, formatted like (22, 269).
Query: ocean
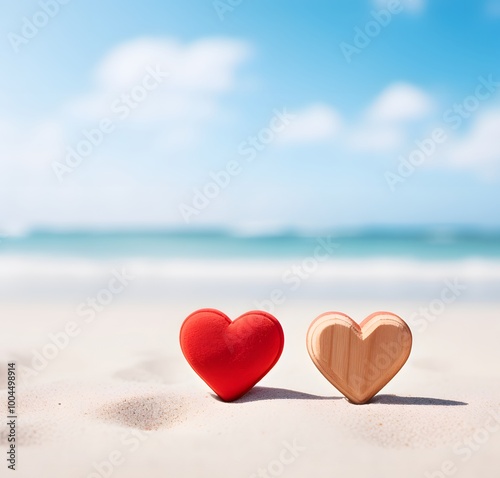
(382, 264)
(423, 244)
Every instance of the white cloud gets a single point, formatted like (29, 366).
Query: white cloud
(376, 139)
(198, 73)
(410, 6)
(177, 113)
(480, 148)
(383, 126)
(316, 123)
(207, 64)
(30, 148)
(400, 102)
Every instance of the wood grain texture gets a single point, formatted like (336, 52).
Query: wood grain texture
(359, 360)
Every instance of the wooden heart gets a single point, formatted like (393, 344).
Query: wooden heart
(359, 360)
(231, 356)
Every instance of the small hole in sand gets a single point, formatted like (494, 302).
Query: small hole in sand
(29, 433)
(146, 413)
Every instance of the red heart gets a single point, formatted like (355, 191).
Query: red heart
(231, 357)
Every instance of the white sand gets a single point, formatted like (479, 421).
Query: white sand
(121, 391)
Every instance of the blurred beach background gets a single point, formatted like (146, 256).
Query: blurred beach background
(386, 264)
(295, 157)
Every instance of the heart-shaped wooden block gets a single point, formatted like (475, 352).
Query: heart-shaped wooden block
(231, 356)
(359, 360)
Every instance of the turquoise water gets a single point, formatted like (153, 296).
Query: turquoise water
(418, 244)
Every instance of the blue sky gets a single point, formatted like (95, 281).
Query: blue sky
(353, 119)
